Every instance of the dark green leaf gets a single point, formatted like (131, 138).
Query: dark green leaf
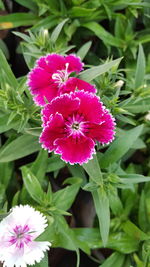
(32, 185)
(57, 30)
(90, 74)
(101, 203)
(116, 259)
(17, 19)
(64, 198)
(7, 70)
(84, 50)
(120, 146)
(140, 68)
(93, 170)
(132, 230)
(22, 146)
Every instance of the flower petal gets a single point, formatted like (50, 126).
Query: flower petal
(52, 62)
(90, 106)
(75, 151)
(41, 85)
(75, 64)
(104, 132)
(64, 105)
(53, 130)
(35, 252)
(73, 84)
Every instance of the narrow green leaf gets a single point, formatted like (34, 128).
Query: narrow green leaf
(134, 178)
(17, 19)
(81, 11)
(140, 68)
(115, 260)
(93, 170)
(90, 74)
(84, 50)
(32, 185)
(104, 35)
(132, 230)
(39, 166)
(23, 36)
(143, 213)
(64, 198)
(119, 241)
(28, 3)
(101, 203)
(54, 163)
(7, 70)
(57, 30)
(20, 147)
(6, 170)
(6, 124)
(120, 146)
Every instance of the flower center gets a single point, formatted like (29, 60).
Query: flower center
(61, 76)
(20, 236)
(76, 125)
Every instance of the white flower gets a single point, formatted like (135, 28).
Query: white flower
(18, 232)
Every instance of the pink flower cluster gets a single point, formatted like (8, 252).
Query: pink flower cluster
(74, 117)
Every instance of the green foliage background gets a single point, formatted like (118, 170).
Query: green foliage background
(112, 37)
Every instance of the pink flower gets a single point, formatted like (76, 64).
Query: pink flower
(50, 77)
(18, 233)
(73, 123)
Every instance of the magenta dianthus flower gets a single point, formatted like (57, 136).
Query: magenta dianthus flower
(72, 125)
(51, 77)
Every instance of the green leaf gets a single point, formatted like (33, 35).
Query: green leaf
(6, 170)
(65, 237)
(17, 19)
(133, 178)
(143, 214)
(77, 171)
(101, 203)
(32, 185)
(138, 105)
(5, 125)
(140, 68)
(116, 259)
(132, 230)
(54, 163)
(120, 146)
(27, 3)
(57, 30)
(104, 35)
(39, 166)
(20, 147)
(119, 241)
(64, 198)
(93, 170)
(84, 50)
(7, 70)
(4, 48)
(115, 202)
(81, 11)
(90, 74)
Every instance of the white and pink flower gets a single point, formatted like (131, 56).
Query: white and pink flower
(18, 232)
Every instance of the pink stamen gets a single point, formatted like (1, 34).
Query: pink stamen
(61, 76)
(20, 236)
(76, 125)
